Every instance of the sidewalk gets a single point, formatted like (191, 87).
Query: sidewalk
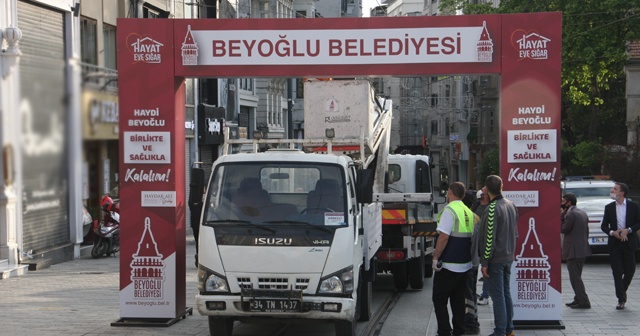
(601, 319)
(80, 297)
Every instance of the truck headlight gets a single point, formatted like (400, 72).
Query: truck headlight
(340, 282)
(211, 282)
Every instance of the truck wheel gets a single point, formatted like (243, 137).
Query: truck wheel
(400, 279)
(365, 297)
(220, 326)
(345, 328)
(416, 272)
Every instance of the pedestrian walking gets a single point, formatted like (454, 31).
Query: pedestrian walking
(575, 248)
(620, 222)
(452, 261)
(497, 245)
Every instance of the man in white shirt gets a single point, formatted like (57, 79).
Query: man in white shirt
(452, 261)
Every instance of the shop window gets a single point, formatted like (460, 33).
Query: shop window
(446, 127)
(246, 84)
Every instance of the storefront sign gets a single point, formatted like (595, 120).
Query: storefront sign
(100, 116)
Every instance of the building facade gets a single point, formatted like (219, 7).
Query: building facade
(42, 218)
(59, 114)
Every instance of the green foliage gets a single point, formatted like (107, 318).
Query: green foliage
(622, 166)
(588, 157)
(458, 6)
(490, 164)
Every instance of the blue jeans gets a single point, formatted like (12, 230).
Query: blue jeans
(498, 285)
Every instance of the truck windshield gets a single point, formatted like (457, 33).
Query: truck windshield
(276, 194)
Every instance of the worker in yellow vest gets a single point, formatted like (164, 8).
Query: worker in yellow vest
(452, 261)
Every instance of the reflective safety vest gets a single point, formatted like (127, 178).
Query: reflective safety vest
(458, 249)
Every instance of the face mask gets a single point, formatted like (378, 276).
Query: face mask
(613, 196)
(563, 206)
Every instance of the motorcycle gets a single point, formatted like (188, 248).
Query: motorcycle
(107, 231)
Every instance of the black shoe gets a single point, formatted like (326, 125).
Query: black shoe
(572, 303)
(620, 305)
(581, 306)
(472, 331)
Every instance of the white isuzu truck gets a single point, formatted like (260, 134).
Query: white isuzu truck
(291, 232)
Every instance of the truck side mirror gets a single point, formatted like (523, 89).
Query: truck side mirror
(364, 185)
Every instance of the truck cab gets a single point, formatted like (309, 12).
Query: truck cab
(291, 234)
(276, 227)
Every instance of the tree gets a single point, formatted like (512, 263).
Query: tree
(589, 156)
(490, 164)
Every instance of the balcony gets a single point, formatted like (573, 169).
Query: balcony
(99, 78)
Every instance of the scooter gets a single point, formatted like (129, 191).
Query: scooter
(107, 231)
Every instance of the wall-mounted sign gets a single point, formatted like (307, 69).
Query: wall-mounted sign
(100, 116)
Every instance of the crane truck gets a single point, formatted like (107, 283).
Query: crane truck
(290, 230)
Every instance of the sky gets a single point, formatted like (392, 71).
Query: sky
(368, 4)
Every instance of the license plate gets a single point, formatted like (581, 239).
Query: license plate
(275, 305)
(598, 241)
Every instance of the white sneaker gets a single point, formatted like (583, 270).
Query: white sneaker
(483, 301)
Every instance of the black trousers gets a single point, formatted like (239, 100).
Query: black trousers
(471, 301)
(574, 267)
(623, 266)
(449, 287)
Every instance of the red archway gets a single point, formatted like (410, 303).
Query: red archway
(154, 56)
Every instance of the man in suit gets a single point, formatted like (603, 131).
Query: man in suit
(621, 221)
(575, 248)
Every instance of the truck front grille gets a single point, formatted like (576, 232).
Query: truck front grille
(273, 283)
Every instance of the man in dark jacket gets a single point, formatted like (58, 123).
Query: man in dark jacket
(497, 251)
(575, 248)
(620, 222)
(472, 324)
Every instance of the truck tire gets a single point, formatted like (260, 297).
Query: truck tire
(220, 326)
(416, 272)
(344, 327)
(400, 279)
(365, 297)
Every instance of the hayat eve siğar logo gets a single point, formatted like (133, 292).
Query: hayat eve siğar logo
(189, 49)
(530, 45)
(144, 49)
(147, 267)
(532, 269)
